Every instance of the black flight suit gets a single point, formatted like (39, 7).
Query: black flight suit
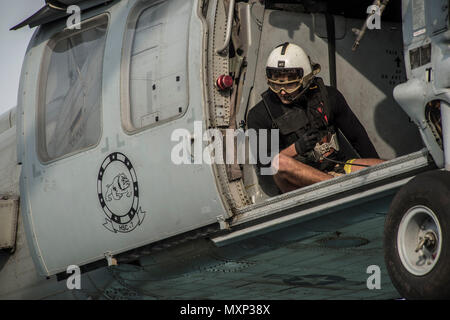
(340, 117)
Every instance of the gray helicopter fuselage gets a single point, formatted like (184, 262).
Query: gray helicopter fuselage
(88, 155)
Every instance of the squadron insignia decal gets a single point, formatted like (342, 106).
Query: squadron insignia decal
(118, 193)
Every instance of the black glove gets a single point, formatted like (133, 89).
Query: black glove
(307, 142)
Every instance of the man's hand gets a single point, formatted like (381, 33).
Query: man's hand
(307, 142)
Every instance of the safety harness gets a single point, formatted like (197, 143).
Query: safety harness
(294, 120)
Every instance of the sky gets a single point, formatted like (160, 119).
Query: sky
(13, 45)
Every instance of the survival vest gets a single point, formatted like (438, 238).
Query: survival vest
(295, 120)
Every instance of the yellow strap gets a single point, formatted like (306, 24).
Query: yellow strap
(348, 166)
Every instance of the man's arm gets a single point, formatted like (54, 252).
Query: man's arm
(258, 119)
(289, 151)
(350, 126)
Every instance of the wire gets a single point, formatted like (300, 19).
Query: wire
(341, 162)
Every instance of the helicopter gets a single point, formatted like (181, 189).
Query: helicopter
(88, 187)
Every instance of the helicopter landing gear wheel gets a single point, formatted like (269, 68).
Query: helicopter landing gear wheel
(417, 237)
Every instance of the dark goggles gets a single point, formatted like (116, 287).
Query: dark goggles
(287, 79)
(291, 73)
(288, 86)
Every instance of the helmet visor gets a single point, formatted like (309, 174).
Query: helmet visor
(284, 73)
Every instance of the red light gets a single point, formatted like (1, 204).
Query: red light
(224, 82)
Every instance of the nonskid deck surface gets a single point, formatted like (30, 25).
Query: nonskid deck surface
(322, 265)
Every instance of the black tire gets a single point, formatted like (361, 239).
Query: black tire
(432, 190)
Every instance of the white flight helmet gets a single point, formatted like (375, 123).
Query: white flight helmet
(290, 60)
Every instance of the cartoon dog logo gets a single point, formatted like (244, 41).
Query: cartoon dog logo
(119, 187)
(118, 194)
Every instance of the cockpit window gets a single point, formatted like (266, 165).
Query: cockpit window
(69, 117)
(155, 77)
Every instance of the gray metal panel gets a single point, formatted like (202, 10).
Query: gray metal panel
(347, 182)
(64, 217)
(413, 96)
(9, 209)
(425, 24)
(18, 276)
(158, 65)
(251, 24)
(367, 79)
(9, 169)
(445, 111)
(433, 18)
(8, 120)
(307, 203)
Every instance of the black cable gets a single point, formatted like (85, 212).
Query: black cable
(345, 163)
(331, 37)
